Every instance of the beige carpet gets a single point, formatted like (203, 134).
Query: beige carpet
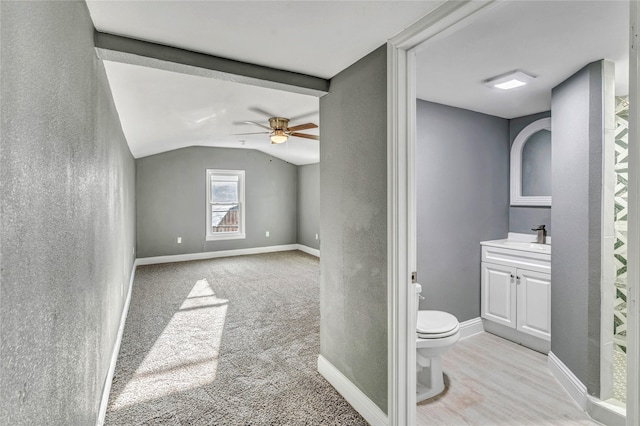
(230, 341)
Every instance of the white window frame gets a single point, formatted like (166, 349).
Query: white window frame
(217, 236)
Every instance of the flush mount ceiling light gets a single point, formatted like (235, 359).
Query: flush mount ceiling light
(510, 80)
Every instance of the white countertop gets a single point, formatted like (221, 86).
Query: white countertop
(524, 242)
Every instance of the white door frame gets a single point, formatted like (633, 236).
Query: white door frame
(401, 199)
(401, 221)
(633, 262)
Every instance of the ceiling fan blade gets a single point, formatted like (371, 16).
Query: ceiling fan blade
(301, 116)
(261, 111)
(257, 124)
(302, 127)
(306, 136)
(254, 133)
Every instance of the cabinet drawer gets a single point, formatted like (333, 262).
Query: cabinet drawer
(539, 262)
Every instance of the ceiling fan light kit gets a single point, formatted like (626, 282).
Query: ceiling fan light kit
(278, 136)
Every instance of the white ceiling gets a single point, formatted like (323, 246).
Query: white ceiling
(161, 110)
(549, 39)
(319, 38)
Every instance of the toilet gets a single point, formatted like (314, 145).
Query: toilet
(437, 332)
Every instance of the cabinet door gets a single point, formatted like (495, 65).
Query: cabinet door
(534, 303)
(498, 298)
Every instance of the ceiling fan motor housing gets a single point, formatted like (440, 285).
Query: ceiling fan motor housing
(279, 123)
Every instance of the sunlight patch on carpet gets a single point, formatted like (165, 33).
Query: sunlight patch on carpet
(185, 355)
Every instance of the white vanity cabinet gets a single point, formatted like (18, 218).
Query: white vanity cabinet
(498, 294)
(516, 293)
(534, 303)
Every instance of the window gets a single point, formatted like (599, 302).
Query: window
(225, 204)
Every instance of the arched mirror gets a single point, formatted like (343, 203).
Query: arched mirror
(531, 165)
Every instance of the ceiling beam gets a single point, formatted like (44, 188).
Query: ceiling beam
(126, 50)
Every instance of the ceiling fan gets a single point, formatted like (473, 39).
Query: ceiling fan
(279, 130)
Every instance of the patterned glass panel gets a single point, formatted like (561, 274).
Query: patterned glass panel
(620, 250)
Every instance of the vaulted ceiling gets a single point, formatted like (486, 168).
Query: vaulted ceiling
(163, 110)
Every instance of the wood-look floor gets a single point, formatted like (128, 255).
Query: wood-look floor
(492, 381)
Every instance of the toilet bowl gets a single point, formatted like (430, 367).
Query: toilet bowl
(436, 333)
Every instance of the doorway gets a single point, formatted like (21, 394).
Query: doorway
(401, 178)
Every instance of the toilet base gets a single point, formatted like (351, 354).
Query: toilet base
(430, 346)
(430, 379)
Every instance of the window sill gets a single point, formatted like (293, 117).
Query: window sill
(223, 236)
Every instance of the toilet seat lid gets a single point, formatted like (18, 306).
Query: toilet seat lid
(436, 323)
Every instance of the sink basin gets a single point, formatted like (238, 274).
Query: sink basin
(546, 248)
(520, 245)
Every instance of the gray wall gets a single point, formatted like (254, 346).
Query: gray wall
(309, 205)
(462, 163)
(171, 201)
(522, 219)
(353, 222)
(67, 226)
(577, 120)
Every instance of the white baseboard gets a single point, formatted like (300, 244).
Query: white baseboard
(606, 413)
(601, 411)
(309, 250)
(214, 254)
(471, 328)
(106, 389)
(574, 387)
(350, 392)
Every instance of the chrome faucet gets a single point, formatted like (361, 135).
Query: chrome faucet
(542, 234)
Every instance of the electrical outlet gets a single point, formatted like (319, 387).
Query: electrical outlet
(267, 233)
(316, 236)
(179, 241)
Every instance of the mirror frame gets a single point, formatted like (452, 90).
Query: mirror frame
(517, 199)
